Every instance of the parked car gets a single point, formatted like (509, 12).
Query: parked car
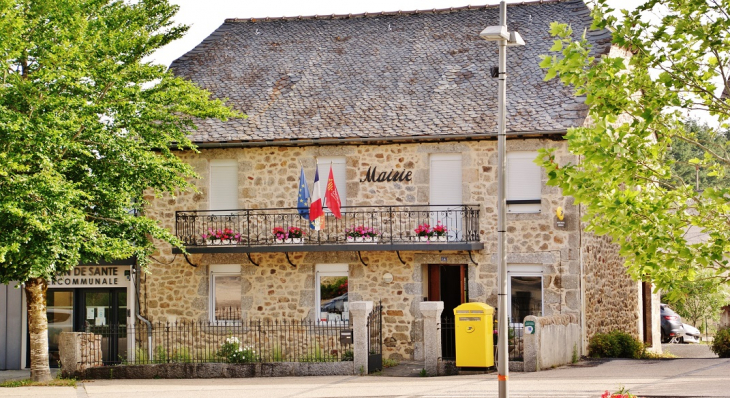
(336, 309)
(671, 325)
(691, 334)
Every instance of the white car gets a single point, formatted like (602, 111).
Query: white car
(691, 334)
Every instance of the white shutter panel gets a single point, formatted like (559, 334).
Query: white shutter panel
(523, 181)
(338, 171)
(445, 189)
(445, 184)
(223, 184)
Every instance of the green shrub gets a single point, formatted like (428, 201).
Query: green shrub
(232, 351)
(348, 356)
(615, 344)
(721, 343)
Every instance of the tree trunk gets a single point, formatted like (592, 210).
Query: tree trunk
(35, 292)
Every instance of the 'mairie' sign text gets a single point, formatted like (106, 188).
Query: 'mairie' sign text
(394, 176)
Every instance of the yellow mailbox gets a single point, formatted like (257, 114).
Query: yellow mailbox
(474, 335)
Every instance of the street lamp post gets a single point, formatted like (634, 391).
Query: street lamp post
(504, 38)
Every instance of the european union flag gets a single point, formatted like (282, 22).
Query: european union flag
(303, 200)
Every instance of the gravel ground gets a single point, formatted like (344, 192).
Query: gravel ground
(689, 350)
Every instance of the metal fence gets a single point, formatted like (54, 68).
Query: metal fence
(196, 342)
(448, 340)
(391, 224)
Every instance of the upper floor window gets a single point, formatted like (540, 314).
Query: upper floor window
(524, 189)
(223, 184)
(445, 188)
(339, 172)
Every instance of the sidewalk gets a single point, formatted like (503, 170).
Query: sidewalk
(705, 377)
(8, 375)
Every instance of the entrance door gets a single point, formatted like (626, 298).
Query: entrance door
(448, 283)
(104, 312)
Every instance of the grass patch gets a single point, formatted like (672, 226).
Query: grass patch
(654, 355)
(30, 383)
(389, 363)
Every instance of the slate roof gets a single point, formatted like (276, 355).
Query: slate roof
(397, 74)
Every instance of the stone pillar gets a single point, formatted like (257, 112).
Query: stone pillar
(78, 351)
(531, 347)
(431, 312)
(359, 311)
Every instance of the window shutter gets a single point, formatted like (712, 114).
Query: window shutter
(223, 184)
(523, 182)
(338, 171)
(445, 189)
(445, 184)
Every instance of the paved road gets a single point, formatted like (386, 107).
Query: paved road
(648, 378)
(689, 350)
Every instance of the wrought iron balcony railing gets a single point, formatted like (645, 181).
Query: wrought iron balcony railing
(392, 225)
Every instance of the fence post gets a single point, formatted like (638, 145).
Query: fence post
(431, 312)
(359, 311)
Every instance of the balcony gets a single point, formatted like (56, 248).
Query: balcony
(252, 229)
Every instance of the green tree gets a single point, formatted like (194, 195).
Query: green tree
(698, 300)
(679, 52)
(85, 132)
(685, 166)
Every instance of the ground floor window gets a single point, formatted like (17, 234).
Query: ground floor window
(331, 285)
(525, 287)
(225, 293)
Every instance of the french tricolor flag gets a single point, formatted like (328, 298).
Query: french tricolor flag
(316, 214)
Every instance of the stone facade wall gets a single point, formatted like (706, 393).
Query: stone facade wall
(611, 299)
(268, 177)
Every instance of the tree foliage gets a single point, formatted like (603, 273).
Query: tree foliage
(698, 300)
(679, 61)
(683, 154)
(85, 130)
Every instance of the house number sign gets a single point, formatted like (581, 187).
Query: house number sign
(392, 176)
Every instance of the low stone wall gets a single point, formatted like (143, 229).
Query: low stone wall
(220, 370)
(556, 341)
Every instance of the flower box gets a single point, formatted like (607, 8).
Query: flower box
(224, 236)
(362, 239)
(361, 234)
(438, 239)
(290, 241)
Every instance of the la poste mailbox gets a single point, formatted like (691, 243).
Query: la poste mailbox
(474, 335)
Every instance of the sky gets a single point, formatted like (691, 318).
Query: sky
(205, 16)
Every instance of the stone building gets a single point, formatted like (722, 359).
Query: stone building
(402, 107)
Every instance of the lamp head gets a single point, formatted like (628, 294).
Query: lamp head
(515, 40)
(495, 33)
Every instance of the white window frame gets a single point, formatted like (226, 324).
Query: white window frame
(217, 270)
(524, 270)
(339, 172)
(224, 164)
(524, 183)
(321, 270)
